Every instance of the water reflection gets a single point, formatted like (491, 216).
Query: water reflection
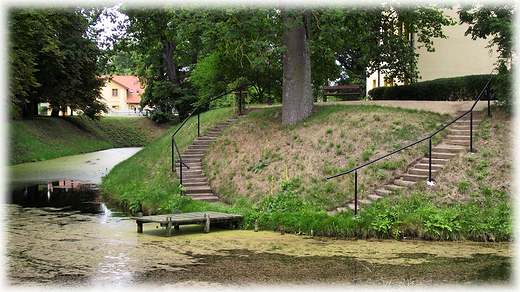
(64, 194)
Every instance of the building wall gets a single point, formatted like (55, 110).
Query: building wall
(115, 102)
(458, 55)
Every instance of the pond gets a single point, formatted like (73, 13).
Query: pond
(61, 234)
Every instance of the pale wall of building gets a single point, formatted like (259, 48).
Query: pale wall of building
(115, 102)
(458, 55)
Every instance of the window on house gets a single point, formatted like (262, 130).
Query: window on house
(114, 92)
(137, 90)
(373, 83)
(131, 91)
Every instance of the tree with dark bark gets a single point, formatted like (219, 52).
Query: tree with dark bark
(297, 86)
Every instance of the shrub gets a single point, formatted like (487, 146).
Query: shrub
(443, 89)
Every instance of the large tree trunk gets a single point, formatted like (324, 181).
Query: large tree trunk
(171, 69)
(297, 89)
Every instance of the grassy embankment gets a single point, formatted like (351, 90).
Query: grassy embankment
(46, 138)
(276, 175)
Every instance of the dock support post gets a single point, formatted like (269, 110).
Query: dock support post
(206, 225)
(169, 227)
(139, 227)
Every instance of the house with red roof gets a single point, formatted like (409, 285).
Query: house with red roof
(122, 94)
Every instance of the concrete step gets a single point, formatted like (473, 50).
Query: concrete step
(460, 132)
(194, 152)
(464, 143)
(457, 137)
(383, 192)
(464, 126)
(437, 161)
(210, 198)
(205, 138)
(364, 202)
(198, 147)
(192, 165)
(373, 197)
(192, 180)
(192, 156)
(427, 166)
(447, 148)
(414, 177)
(223, 126)
(393, 187)
(403, 182)
(198, 189)
(419, 171)
(202, 142)
(442, 155)
(351, 206)
(194, 184)
(190, 173)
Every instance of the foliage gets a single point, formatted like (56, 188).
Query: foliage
(442, 89)
(129, 184)
(495, 21)
(400, 217)
(54, 58)
(29, 140)
(157, 38)
(260, 166)
(373, 37)
(214, 49)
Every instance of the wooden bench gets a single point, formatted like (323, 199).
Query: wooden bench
(353, 90)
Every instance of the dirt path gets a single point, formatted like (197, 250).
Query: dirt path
(443, 107)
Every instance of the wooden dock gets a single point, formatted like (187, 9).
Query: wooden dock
(175, 220)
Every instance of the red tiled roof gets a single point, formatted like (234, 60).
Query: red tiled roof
(131, 83)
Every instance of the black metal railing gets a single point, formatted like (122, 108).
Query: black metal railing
(486, 88)
(174, 144)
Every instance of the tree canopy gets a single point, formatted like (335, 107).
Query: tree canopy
(495, 21)
(187, 54)
(54, 58)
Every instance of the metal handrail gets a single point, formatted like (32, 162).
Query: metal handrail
(470, 111)
(174, 144)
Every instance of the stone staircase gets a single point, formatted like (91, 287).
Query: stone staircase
(194, 180)
(457, 139)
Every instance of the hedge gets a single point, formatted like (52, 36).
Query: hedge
(443, 89)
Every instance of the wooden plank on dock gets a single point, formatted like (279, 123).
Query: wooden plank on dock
(176, 220)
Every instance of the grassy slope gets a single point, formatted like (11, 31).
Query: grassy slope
(146, 180)
(298, 201)
(47, 138)
(335, 139)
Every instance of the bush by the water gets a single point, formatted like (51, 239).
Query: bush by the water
(443, 89)
(414, 217)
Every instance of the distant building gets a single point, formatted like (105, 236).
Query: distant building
(122, 94)
(458, 55)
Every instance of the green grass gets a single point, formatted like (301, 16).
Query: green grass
(145, 182)
(322, 145)
(410, 216)
(46, 138)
